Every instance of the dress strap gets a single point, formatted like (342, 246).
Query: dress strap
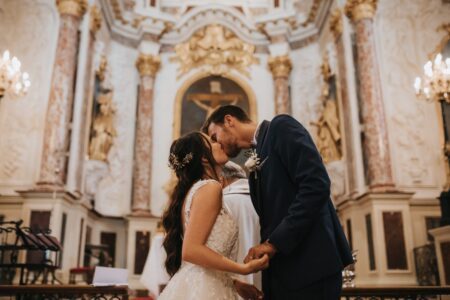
(190, 196)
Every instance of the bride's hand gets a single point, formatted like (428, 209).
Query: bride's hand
(256, 265)
(247, 291)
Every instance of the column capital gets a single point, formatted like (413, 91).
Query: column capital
(336, 23)
(360, 9)
(148, 65)
(75, 8)
(280, 66)
(95, 19)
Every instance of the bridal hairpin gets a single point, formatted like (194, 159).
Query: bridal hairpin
(175, 164)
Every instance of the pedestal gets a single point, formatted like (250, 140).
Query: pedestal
(442, 244)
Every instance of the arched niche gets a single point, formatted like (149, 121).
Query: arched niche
(189, 114)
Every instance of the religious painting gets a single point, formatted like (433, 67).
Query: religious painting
(205, 95)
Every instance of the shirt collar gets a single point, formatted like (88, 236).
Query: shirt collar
(255, 136)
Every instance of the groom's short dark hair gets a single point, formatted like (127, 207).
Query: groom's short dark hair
(218, 116)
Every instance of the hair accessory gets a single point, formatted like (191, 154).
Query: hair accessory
(175, 164)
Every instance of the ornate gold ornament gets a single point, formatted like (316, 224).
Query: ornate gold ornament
(216, 48)
(336, 23)
(118, 12)
(312, 12)
(75, 8)
(328, 124)
(148, 65)
(102, 68)
(280, 66)
(96, 19)
(360, 9)
(103, 129)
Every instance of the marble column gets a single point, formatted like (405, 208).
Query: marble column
(336, 28)
(59, 109)
(147, 66)
(281, 67)
(375, 144)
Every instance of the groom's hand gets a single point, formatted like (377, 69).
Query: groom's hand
(259, 250)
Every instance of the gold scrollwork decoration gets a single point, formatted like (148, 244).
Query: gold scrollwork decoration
(216, 48)
(95, 19)
(102, 68)
(148, 65)
(336, 23)
(75, 8)
(360, 9)
(280, 66)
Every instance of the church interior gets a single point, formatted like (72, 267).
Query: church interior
(93, 92)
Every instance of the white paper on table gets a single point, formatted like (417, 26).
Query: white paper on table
(104, 276)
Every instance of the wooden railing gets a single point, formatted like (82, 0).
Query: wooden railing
(64, 292)
(404, 292)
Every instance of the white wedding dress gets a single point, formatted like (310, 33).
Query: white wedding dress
(193, 282)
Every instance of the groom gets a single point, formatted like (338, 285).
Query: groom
(290, 190)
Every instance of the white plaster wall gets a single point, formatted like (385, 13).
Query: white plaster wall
(405, 36)
(114, 192)
(306, 85)
(166, 88)
(29, 29)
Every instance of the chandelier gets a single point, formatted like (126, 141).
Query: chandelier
(435, 84)
(12, 80)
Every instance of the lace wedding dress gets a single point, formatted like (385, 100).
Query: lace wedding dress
(193, 282)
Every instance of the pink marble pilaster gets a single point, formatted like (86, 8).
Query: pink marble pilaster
(281, 67)
(336, 28)
(375, 143)
(59, 108)
(142, 173)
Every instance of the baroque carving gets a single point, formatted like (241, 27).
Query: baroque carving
(148, 65)
(216, 48)
(336, 23)
(360, 9)
(280, 66)
(118, 12)
(104, 130)
(103, 66)
(75, 8)
(312, 13)
(96, 19)
(329, 134)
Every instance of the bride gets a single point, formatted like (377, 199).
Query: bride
(201, 235)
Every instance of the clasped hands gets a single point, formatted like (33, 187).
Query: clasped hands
(257, 259)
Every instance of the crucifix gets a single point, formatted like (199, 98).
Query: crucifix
(210, 101)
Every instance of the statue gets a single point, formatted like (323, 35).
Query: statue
(103, 129)
(329, 136)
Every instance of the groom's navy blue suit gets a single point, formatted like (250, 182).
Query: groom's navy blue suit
(291, 194)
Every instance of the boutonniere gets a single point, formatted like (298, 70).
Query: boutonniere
(253, 162)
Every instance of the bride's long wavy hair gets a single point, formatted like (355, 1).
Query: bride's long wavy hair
(199, 147)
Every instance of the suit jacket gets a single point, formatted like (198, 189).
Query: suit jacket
(291, 194)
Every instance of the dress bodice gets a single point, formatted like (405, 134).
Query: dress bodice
(224, 234)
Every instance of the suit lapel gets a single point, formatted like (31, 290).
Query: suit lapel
(255, 180)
